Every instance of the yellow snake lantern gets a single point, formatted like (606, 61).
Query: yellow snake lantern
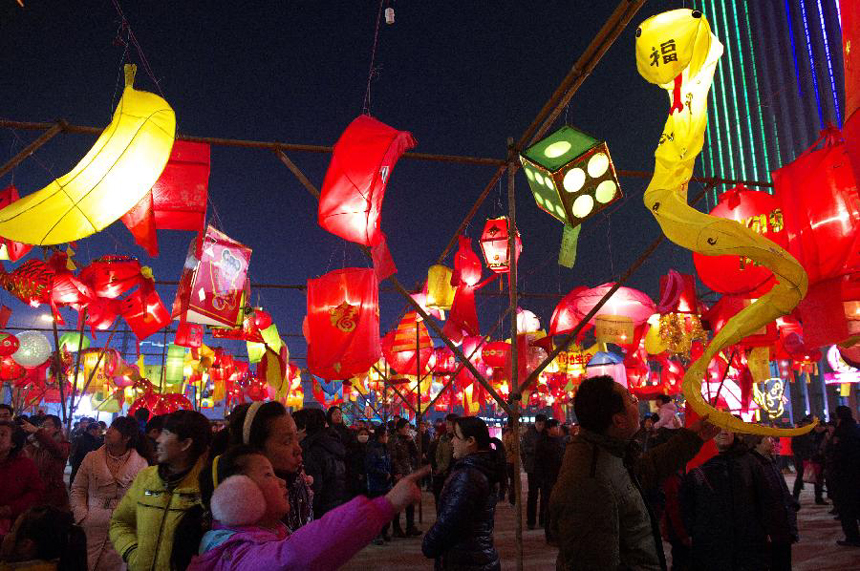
(677, 51)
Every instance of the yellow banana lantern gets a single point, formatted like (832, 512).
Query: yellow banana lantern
(110, 180)
(677, 51)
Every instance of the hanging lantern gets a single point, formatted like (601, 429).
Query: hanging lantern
(74, 342)
(618, 329)
(9, 249)
(572, 177)
(33, 350)
(174, 364)
(496, 354)
(115, 174)
(350, 201)
(737, 275)
(8, 344)
(177, 200)
(440, 292)
(400, 346)
(625, 303)
(271, 338)
(494, 244)
(609, 364)
(527, 321)
(343, 323)
(212, 289)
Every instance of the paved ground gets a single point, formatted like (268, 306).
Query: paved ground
(817, 549)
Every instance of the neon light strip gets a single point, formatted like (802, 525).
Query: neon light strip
(757, 92)
(793, 50)
(738, 131)
(717, 132)
(725, 107)
(811, 61)
(710, 146)
(829, 64)
(839, 13)
(745, 91)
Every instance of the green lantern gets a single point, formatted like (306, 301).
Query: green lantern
(572, 178)
(271, 337)
(74, 342)
(174, 364)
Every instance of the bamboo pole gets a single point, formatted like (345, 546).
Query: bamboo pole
(619, 282)
(52, 130)
(98, 362)
(418, 413)
(58, 370)
(241, 143)
(516, 396)
(83, 318)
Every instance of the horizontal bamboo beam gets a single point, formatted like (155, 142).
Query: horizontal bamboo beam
(250, 144)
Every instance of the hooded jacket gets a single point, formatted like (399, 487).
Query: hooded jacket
(723, 503)
(597, 511)
(142, 526)
(325, 461)
(321, 545)
(462, 537)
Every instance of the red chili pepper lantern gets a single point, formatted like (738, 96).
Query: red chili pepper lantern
(736, 275)
(343, 323)
(494, 245)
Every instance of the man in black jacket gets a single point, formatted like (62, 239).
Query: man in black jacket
(325, 461)
(527, 450)
(846, 475)
(549, 452)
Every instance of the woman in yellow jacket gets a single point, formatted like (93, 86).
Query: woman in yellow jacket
(142, 526)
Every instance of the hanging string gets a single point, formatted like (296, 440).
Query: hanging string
(118, 40)
(143, 61)
(373, 71)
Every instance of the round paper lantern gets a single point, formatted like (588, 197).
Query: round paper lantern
(74, 342)
(761, 213)
(625, 302)
(34, 349)
(8, 344)
(262, 319)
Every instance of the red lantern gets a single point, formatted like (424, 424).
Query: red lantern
(735, 275)
(343, 323)
(626, 302)
(177, 200)
(823, 226)
(677, 293)
(494, 244)
(351, 197)
(212, 291)
(496, 354)
(399, 346)
(467, 266)
(8, 344)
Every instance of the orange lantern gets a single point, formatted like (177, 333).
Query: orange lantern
(494, 244)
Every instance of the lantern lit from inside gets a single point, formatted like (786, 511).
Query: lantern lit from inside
(440, 292)
(494, 244)
(33, 350)
(571, 175)
(609, 364)
(343, 323)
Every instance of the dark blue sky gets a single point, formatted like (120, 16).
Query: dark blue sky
(461, 76)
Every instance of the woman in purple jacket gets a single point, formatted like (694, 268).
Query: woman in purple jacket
(247, 507)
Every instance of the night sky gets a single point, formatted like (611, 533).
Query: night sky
(461, 76)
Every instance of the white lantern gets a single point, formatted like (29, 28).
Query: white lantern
(34, 349)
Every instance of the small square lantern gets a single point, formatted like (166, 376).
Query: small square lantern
(494, 244)
(571, 175)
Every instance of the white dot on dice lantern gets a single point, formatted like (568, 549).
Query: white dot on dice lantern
(529, 174)
(597, 165)
(556, 149)
(538, 178)
(574, 179)
(605, 191)
(582, 206)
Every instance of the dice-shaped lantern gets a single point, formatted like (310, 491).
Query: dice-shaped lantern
(571, 175)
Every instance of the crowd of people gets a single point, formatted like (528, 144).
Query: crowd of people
(302, 490)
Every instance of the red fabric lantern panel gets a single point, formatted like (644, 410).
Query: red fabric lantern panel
(444, 361)
(9, 249)
(677, 293)
(354, 186)
(719, 314)
(212, 291)
(177, 200)
(189, 335)
(494, 245)
(8, 344)
(850, 11)
(496, 354)
(343, 323)
(467, 265)
(761, 213)
(112, 276)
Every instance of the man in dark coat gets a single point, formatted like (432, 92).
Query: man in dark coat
(90, 440)
(403, 462)
(378, 468)
(597, 512)
(325, 461)
(549, 452)
(846, 475)
(527, 451)
(780, 516)
(723, 503)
